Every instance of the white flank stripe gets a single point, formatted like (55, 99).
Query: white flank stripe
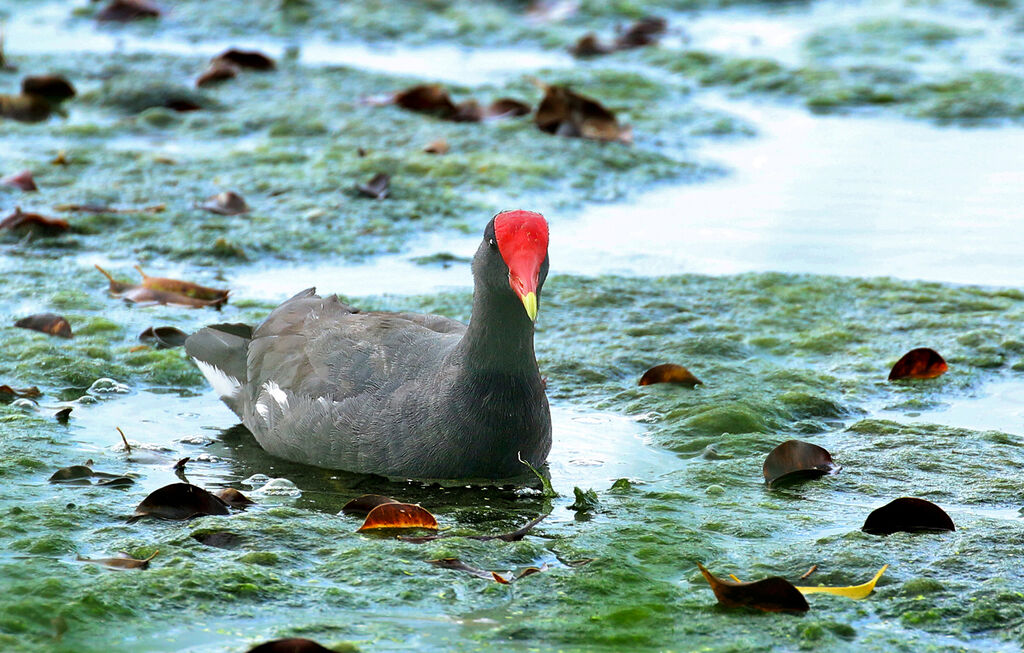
(223, 384)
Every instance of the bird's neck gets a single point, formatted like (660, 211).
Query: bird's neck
(500, 335)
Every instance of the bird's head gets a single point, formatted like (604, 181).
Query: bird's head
(514, 256)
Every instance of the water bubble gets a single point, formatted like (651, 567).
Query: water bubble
(107, 386)
(256, 480)
(279, 487)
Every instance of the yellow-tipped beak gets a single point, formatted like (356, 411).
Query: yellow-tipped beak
(530, 302)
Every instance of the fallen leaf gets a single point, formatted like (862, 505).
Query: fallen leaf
(589, 45)
(33, 223)
(669, 373)
(529, 571)
(907, 514)
(217, 72)
(182, 105)
(514, 536)
(642, 33)
(63, 415)
(165, 337)
(458, 565)
(426, 98)
(102, 208)
(25, 108)
(9, 394)
(75, 475)
(126, 562)
(49, 323)
(362, 505)
(774, 594)
(54, 88)
(440, 146)
(498, 578)
(123, 11)
(234, 498)
(179, 501)
(226, 203)
(220, 539)
(290, 645)
(251, 59)
(565, 113)
(22, 181)
(377, 188)
(159, 290)
(794, 461)
(468, 111)
(921, 363)
(117, 481)
(856, 592)
(507, 108)
(398, 515)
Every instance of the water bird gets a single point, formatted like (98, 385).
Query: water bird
(399, 394)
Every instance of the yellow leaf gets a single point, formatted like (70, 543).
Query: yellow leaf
(853, 592)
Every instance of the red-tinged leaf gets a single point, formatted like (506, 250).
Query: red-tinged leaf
(921, 363)
(529, 571)
(290, 645)
(362, 505)
(234, 498)
(440, 146)
(498, 578)
(49, 323)
(179, 501)
(377, 188)
(9, 394)
(642, 33)
(34, 223)
(426, 98)
(54, 88)
(217, 72)
(773, 594)
(589, 45)
(22, 181)
(160, 290)
(507, 108)
(399, 515)
(226, 203)
(794, 461)
(907, 514)
(125, 562)
(251, 59)
(124, 11)
(165, 337)
(669, 373)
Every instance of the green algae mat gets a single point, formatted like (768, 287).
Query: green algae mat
(647, 482)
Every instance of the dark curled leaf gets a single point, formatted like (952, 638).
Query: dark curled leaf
(907, 514)
(33, 223)
(22, 181)
(123, 11)
(794, 461)
(458, 565)
(362, 505)
(117, 481)
(234, 498)
(565, 113)
(219, 71)
(773, 594)
(63, 415)
(426, 98)
(251, 59)
(290, 645)
(507, 108)
(179, 466)
(48, 323)
(52, 87)
(468, 111)
(76, 474)
(9, 394)
(669, 373)
(179, 501)
(641, 33)
(589, 45)
(125, 562)
(165, 337)
(377, 188)
(920, 363)
(220, 539)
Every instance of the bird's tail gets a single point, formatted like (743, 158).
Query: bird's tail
(220, 351)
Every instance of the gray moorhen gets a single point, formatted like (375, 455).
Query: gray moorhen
(399, 394)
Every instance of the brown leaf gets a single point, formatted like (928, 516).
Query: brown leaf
(148, 296)
(181, 105)
(63, 415)
(398, 515)
(49, 323)
(251, 59)
(498, 578)
(773, 594)
(123, 11)
(794, 461)
(669, 373)
(377, 188)
(529, 571)
(179, 501)
(468, 111)
(217, 72)
(116, 481)
(75, 474)
(642, 33)
(458, 565)
(9, 394)
(22, 181)
(507, 108)
(102, 208)
(54, 88)
(25, 108)
(921, 363)
(33, 223)
(165, 337)
(426, 98)
(116, 287)
(220, 540)
(362, 505)
(290, 645)
(565, 113)
(907, 514)
(440, 146)
(234, 498)
(226, 203)
(589, 45)
(162, 287)
(121, 563)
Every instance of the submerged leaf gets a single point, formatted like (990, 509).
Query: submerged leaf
(54, 88)
(669, 373)
(458, 565)
(234, 498)
(794, 461)
(290, 645)
(63, 415)
(565, 113)
(220, 539)
(218, 71)
(76, 474)
(774, 594)
(179, 501)
(398, 515)
(589, 45)
(22, 181)
(642, 33)
(426, 98)
(49, 323)
(920, 363)
(9, 394)
(251, 59)
(507, 108)
(116, 481)
(907, 514)
(226, 203)
(125, 562)
(123, 11)
(514, 536)
(25, 108)
(362, 505)
(33, 223)
(165, 337)
(377, 188)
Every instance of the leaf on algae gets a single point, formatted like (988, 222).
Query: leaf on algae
(774, 594)
(920, 363)
(234, 498)
(179, 501)
(48, 323)
(458, 565)
(856, 592)
(398, 515)
(160, 290)
(362, 505)
(565, 113)
(125, 562)
(9, 394)
(908, 514)
(22, 181)
(669, 373)
(794, 461)
(290, 645)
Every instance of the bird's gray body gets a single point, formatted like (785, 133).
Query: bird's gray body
(397, 394)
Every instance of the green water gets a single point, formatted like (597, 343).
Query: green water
(781, 356)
